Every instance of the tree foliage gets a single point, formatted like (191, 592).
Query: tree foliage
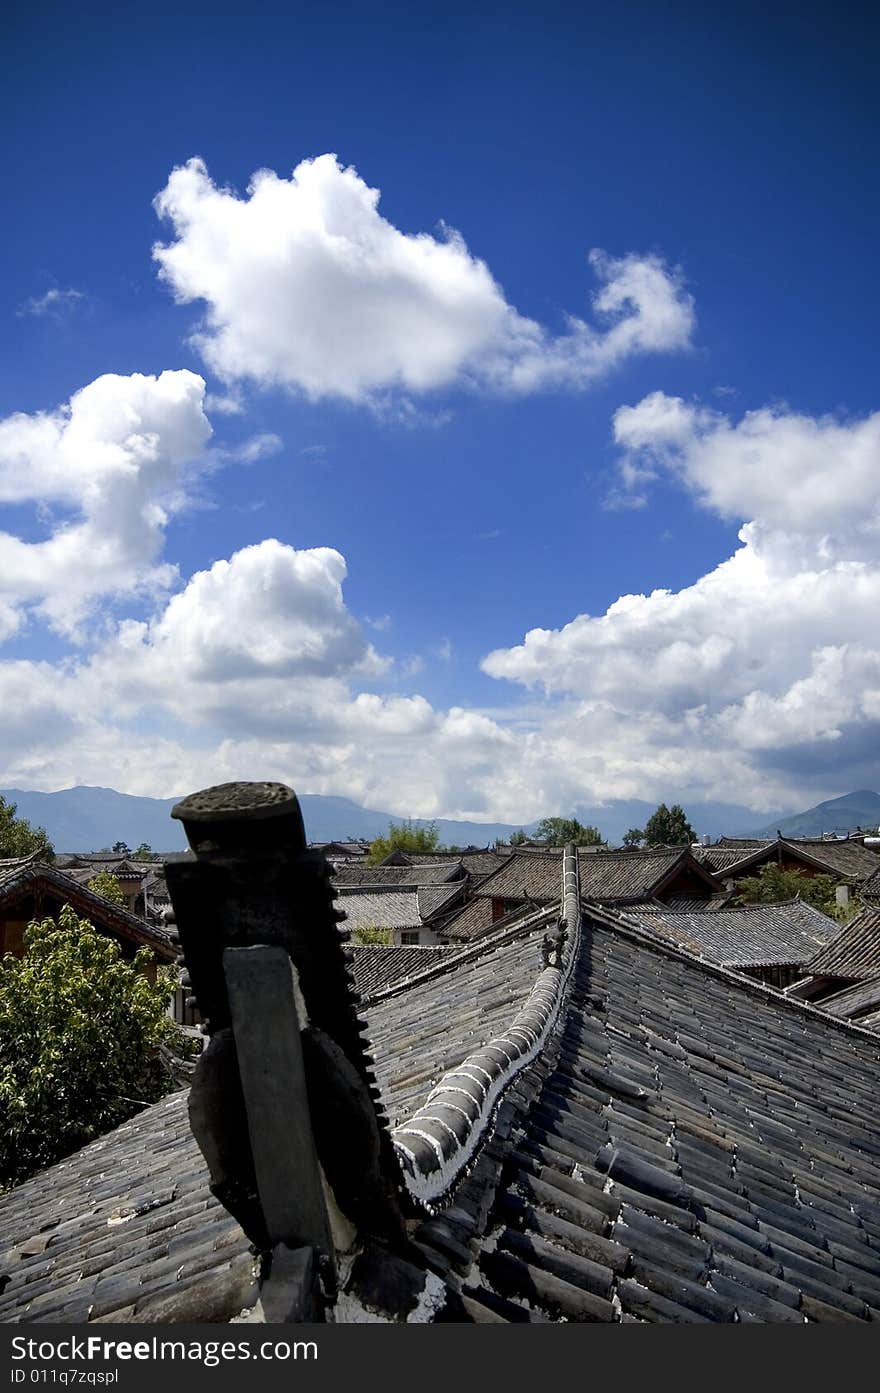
(18, 837)
(559, 831)
(517, 838)
(669, 827)
(634, 837)
(107, 884)
(80, 1036)
(404, 836)
(773, 884)
(121, 849)
(371, 934)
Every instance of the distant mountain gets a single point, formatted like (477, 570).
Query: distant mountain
(89, 819)
(844, 814)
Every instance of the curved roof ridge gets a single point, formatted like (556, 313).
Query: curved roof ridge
(439, 1140)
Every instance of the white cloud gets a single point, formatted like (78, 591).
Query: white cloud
(55, 302)
(799, 474)
(269, 613)
(307, 286)
(255, 668)
(112, 461)
(759, 684)
(748, 678)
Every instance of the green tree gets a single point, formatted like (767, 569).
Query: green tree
(669, 827)
(144, 852)
(369, 934)
(773, 884)
(633, 837)
(559, 831)
(18, 837)
(81, 1032)
(121, 849)
(517, 838)
(404, 836)
(107, 884)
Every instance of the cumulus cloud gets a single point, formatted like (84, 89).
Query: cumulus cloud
(109, 466)
(255, 668)
(742, 675)
(797, 474)
(269, 612)
(307, 286)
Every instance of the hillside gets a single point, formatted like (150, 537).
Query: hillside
(844, 814)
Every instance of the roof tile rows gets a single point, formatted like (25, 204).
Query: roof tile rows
(855, 953)
(760, 935)
(375, 967)
(396, 877)
(698, 1150)
(849, 860)
(614, 875)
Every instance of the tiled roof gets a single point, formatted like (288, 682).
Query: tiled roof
(611, 875)
(718, 858)
(855, 953)
(129, 1219)
(470, 923)
(760, 935)
(742, 843)
(433, 899)
(707, 906)
(83, 875)
(396, 908)
(477, 863)
(685, 1145)
(870, 889)
(698, 1150)
(374, 967)
(381, 909)
(848, 860)
(419, 1033)
(401, 877)
(859, 1003)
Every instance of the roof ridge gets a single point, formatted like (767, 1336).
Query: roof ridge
(432, 1153)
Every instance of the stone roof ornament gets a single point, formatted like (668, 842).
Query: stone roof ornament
(264, 955)
(553, 944)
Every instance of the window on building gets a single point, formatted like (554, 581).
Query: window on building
(409, 938)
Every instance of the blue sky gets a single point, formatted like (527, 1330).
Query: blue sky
(427, 387)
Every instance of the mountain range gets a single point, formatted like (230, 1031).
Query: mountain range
(90, 819)
(845, 814)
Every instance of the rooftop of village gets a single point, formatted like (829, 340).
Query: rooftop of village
(518, 1084)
